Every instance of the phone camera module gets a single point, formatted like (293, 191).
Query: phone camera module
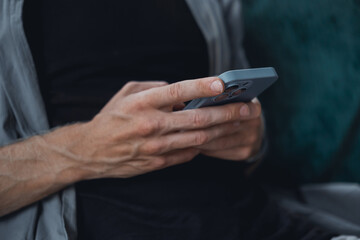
(238, 92)
(230, 89)
(221, 97)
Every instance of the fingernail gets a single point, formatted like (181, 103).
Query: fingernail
(244, 110)
(217, 86)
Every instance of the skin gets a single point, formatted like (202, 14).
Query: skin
(135, 133)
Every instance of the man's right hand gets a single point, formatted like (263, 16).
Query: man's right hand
(135, 133)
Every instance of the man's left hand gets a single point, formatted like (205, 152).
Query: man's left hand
(245, 139)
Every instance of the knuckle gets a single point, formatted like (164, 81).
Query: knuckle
(148, 127)
(138, 101)
(156, 124)
(244, 153)
(192, 153)
(201, 138)
(186, 158)
(131, 104)
(175, 90)
(128, 105)
(139, 105)
(253, 138)
(159, 162)
(198, 119)
(230, 114)
(130, 85)
(152, 148)
(161, 124)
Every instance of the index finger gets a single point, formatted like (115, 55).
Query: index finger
(183, 91)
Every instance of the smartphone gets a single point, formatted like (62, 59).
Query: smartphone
(240, 86)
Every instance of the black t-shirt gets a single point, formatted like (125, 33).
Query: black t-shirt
(84, 52)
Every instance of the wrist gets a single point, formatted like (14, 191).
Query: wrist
(60, 149)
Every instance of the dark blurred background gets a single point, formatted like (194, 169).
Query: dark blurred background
(313, 111)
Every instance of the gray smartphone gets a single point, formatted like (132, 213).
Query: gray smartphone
(240, 86)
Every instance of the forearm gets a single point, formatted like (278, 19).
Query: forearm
(31, 169)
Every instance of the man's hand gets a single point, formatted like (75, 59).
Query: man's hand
(245, 139)
(136, 132)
